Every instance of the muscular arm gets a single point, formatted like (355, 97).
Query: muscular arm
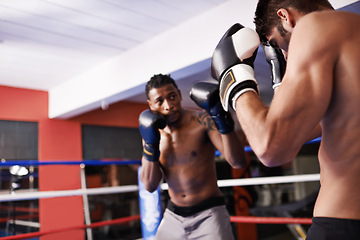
(317, 132)
(232, 150)
(229, 144)
(276, 134)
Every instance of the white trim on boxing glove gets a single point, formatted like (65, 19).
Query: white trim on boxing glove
(234, 76)
(238, 94)
(276, 85)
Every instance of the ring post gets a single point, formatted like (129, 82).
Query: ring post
(150, 210)
(86, 203)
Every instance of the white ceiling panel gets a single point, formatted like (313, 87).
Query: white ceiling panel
(64, 38)
(51, 44)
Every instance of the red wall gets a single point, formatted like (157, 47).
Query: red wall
(121, 114)
(60, 140)
(23, 105)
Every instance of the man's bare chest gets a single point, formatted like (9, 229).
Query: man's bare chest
(184, 147)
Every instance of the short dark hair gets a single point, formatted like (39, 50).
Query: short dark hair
(266, 12)
(157, 81)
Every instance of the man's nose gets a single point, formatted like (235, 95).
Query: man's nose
(167, 105)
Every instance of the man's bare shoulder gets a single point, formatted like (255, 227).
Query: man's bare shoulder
(311, 24)
(321, 34)
(204, 119)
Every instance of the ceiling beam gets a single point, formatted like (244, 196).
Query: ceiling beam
(125, 76)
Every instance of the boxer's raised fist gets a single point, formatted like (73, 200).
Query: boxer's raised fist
(277, 63)
(232, 63)
(206, 96)
(149, 125)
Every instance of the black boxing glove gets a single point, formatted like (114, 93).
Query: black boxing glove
(149, 125)
(277, 63)
(232, 63)
(206, 96)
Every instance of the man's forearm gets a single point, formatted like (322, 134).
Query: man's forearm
(234, 152)
(150, 174)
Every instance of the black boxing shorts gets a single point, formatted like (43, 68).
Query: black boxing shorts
(189, 211)
(324, 228)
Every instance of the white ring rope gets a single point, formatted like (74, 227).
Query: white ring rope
(263, 180)
(65, 193)
(19, 196)
(25, 223)
(269, 180)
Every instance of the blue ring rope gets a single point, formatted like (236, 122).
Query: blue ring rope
(248, 148)
(85, 162)
(96, 162)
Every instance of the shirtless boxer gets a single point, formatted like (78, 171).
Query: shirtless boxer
(319, 95)
(183, 153)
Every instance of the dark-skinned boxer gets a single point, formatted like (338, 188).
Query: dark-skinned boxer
(183, 152)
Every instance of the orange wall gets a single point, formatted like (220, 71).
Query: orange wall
(23, 105)
(121, 114)
(61, 140)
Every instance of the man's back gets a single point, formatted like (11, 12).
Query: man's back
(339, 153)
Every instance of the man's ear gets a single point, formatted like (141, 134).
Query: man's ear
(286, 19)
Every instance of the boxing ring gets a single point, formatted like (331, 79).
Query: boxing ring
(282, 212)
